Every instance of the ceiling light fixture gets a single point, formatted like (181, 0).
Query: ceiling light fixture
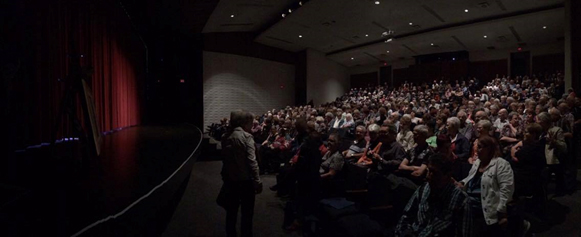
(432, 44)
(231, 16)
(352, 58)
(376, 2)
(387, 51)
(300, 3)
(388, 40)
(300, 36)
(366, 35)
(465, 10)
(283, 15)
(544, 27)
(485, 36)
(411, 24)
(290, 10)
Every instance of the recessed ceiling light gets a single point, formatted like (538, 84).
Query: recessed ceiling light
(411, 24)
(300, 3)
(352, 58)
(432, 44)
(376, 2)
(290, 10)
(387, 51)
(366, 35)
(465, 10)
(300, 36)
(544, 27)
(283, 15)
(485, 36)
(232, 16)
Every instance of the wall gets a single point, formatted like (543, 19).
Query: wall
(398, 64)
(326, 80)
(237, 82)
(504, 54)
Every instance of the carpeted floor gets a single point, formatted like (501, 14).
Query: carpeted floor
(198, 214)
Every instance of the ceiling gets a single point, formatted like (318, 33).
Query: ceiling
(350, 31)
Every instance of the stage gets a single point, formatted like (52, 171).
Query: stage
(131, 189)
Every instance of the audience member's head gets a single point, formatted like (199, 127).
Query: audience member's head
(421, 133)
(439, 171)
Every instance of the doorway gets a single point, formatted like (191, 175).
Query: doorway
(520, 64)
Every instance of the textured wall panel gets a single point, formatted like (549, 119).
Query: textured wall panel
(237, 82)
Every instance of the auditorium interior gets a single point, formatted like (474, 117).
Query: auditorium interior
(117, 116)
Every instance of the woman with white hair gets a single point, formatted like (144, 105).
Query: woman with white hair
(349, 122)
(460, 147)
(405, 137)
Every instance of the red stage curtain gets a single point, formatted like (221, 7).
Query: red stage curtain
(99, 35)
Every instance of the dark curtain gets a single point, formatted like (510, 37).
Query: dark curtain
(46, 40)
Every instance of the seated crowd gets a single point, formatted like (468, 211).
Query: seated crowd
(451, 159)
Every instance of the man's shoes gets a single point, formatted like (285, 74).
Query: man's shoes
(274, 188)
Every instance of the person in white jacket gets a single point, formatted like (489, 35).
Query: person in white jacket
(490, 186)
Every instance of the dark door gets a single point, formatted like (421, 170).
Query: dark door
(385, 76)
(520, 64)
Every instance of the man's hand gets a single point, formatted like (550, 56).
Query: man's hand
(417, 173)
(460, 185)
(503, 222)
(257, 187)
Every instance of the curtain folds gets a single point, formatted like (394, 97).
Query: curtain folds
(54, 36)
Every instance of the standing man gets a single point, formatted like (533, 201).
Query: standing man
(240, 173)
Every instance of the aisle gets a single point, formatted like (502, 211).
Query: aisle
(197, 214)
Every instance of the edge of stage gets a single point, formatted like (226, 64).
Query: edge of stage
(131, 189)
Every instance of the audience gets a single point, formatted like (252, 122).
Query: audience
(470, 131)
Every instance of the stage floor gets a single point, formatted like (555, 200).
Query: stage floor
(76, 197)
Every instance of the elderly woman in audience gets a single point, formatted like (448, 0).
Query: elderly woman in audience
(405, 137)
(349, 122)
(332, 163)
(466, 127)
(373, 146)
(459, 142)
(483, 128)
(415, 164)
(460, 147)
(490, 186)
